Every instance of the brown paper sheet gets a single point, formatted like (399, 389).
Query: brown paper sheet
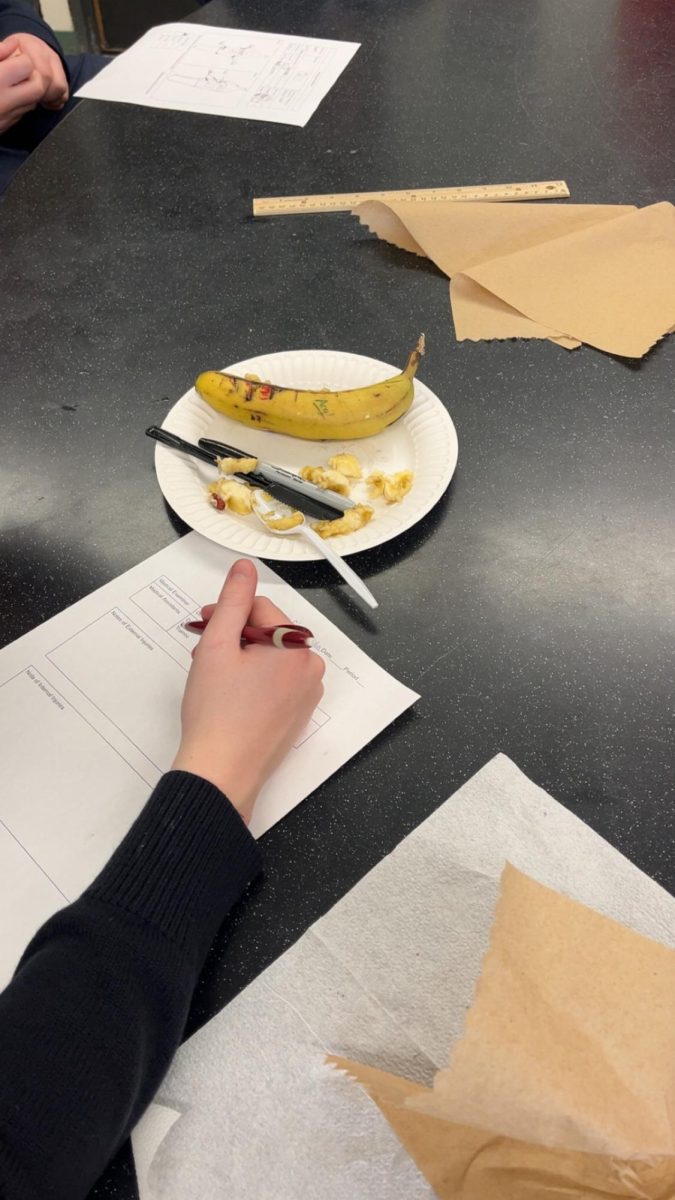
(564, 1082)
(461, 1163)
(600, 274)
(460, 236)
(480, 315)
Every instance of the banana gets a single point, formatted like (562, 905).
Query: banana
(316, 416)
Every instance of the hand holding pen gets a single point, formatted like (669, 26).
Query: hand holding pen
(244, 706)
(286, 636)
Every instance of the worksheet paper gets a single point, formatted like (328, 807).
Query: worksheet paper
(228, 72)
(90, 720)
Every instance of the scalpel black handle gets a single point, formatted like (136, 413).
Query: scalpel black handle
(222, 449)
(179, 443)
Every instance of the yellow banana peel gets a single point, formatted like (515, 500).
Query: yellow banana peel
(316, 416)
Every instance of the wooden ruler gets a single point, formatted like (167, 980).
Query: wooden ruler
(276, 206)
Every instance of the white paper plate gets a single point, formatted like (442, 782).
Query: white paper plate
(424, 441)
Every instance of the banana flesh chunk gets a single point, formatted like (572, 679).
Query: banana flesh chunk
(229, 493)
(355, 518)
(392, 487)
(237, 466)
(325, 477)
(347, 464)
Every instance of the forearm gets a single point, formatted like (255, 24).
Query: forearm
(98, 1004)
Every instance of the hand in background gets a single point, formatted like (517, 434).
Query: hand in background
(31, 73)
(49, 68)
(21, 89)
(244, 706)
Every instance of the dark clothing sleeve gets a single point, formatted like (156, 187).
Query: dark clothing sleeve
(16, 17)
(98, 1004)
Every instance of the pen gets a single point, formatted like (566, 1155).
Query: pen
(273, 635)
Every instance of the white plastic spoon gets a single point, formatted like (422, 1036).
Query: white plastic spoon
(270, 511)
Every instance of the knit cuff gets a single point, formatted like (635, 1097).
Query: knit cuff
(184, 863)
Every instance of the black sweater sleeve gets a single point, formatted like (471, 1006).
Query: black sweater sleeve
(98, 1004)
(17, 17)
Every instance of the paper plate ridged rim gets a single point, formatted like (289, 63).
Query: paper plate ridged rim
(424, 440)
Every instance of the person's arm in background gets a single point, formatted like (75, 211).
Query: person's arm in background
(98, 1004)
(33, 70)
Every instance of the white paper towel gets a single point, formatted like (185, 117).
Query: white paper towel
(147, 1137)
(385, 977)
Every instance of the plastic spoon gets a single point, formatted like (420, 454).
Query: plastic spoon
(270, 511)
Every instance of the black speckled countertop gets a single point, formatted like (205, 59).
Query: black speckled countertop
(533, 609)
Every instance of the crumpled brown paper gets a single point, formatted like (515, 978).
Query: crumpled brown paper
(600, 274)
(563, 1085)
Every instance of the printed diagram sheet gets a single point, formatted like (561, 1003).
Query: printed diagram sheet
(228, 72)
(89, 714)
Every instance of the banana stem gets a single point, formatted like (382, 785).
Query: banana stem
(414, 357)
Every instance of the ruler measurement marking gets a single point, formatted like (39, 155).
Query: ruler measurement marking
(269, 206)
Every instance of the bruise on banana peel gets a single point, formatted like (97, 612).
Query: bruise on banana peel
(313, 415)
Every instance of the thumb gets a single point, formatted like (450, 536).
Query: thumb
(234, 603)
